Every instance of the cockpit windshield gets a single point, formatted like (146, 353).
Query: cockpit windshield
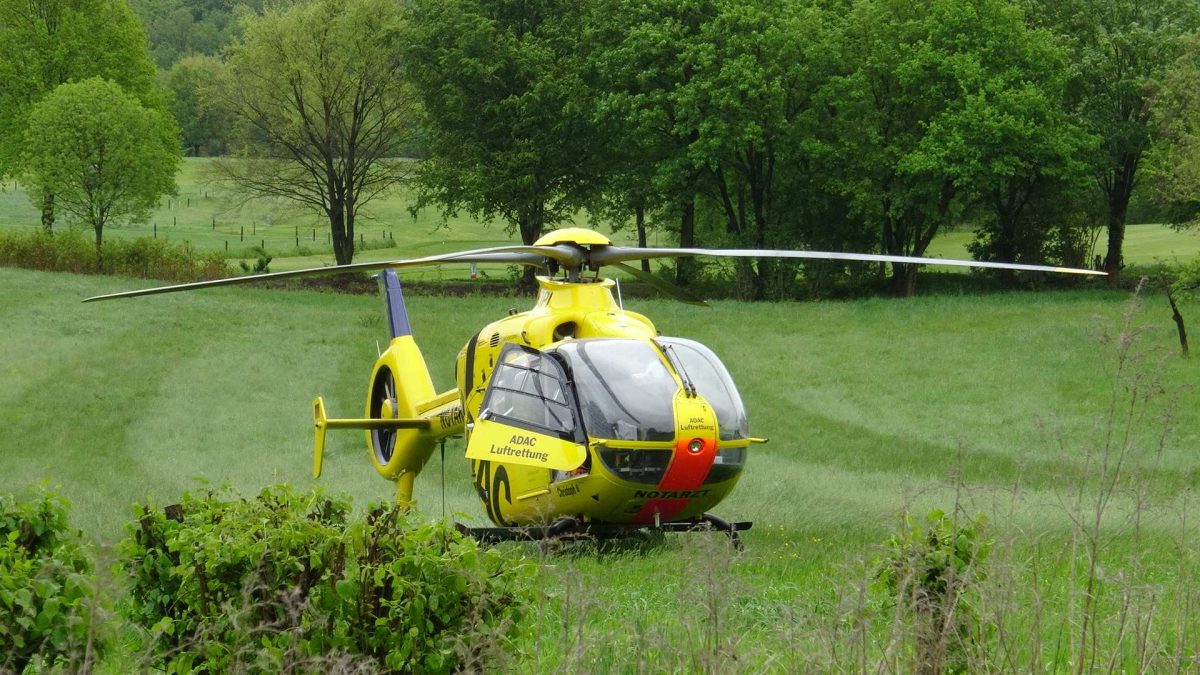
(698, 365)
(625, 390)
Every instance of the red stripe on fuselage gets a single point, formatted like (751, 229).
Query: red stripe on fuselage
(687, 471)
(666, 509)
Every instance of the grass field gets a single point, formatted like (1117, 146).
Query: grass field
(998, 403)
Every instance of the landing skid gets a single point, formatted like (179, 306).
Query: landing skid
(565, 529)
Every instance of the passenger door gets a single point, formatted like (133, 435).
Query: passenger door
(529, 415)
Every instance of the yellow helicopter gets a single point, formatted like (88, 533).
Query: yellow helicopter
(579, 416)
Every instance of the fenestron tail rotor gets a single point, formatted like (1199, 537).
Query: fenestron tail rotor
(574, 250)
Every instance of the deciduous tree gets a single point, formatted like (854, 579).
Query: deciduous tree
(319, 93)
(103, 155)
(1174, 163)
(942, 104)
(1120, 50)
(47, 43)
(506, 137)
(204, 123)
(713, 100)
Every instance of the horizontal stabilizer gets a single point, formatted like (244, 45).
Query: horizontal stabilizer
(322, 423)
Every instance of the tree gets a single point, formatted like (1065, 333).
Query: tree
(712, 100)
(942, 104)
(1022, 151)
(205, 124)
(1174, 162)
(180, 28)
(506, 135)
(1120, 52)
(318, 91)
(103, 155)
(47, 43)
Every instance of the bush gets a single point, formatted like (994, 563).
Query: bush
(931, 573)
(71, 251)
(45, 585)
(291, 580)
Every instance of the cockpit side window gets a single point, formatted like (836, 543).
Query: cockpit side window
(528, 390)
(625, 390)
(705, 371)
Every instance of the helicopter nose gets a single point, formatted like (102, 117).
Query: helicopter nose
(693, 459)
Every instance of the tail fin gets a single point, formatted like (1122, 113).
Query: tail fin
(393, 299)
(405, 416)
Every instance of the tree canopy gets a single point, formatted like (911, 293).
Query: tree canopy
(860, 125)
(1120, 51)
(104, 156)
(1175, 161)
(204, 123)
(505, 130)
(48, 43)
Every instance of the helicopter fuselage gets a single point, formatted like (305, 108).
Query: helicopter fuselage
(605, 388)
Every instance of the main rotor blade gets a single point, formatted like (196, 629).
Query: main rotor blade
(668, 288)
(616, 254)
(534, 256)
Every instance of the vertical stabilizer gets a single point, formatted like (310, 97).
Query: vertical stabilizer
(393, 299)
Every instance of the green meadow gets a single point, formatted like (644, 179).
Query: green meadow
(1046, 412)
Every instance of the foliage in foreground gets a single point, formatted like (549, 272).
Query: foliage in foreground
(146, 258)
(930, 576)
(45, 584)
(292, 580)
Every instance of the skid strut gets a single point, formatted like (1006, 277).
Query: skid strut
(572, 528)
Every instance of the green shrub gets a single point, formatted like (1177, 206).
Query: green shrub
(45, 585)
(930, 576)
(71, 251)
(262, 263)
(291, 580)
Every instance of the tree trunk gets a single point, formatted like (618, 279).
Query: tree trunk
(904, 276)
(48, 211)
(639, 216)
(764, 267)
(99, 228)
(1005, 247)
(343, 238)
(1179, 327)
(529, 222)
(904, 280)
(685, 267)
(1116, 239)
(1119, 194)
